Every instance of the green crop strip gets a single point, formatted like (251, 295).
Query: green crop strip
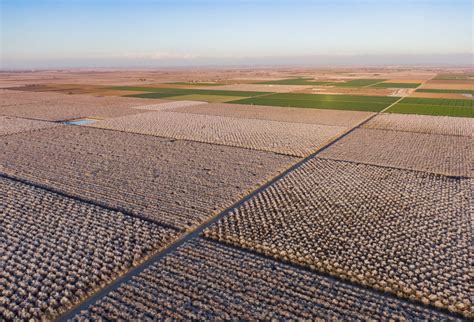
(437, 110)
(336, 102)
(395, 85)
(359, 82)
(447, 91)
(168, 92)
(296, 81)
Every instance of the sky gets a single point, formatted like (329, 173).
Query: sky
(147, 33)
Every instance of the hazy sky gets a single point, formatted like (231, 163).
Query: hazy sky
(62, 33)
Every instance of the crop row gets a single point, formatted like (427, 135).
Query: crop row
(155, 92)
(179, 183)
(59, 110)
(282, 114)
(359, 82)
(280, 137)
(11, 125)
(168, 105)
(56, 251)
(423, 124)
(403, 232)
(204, 280)
(437, 101)
(334, 102)
(437, 110)
(443, 154)
(448, 91)
(395, 85)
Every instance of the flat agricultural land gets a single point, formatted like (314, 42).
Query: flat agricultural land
(433, 153)
(282, 114)
(234, 281)
(59, 250)
(422, 124)
(448, 91)
(395, 85)
(371, 225)
(170, 92)
(443, 84)
(205, 98)
(297, 81)
(322, 101)
(286, 138)
(274, 88)
(434, 106)
(359, 82)
(239, 193)
(440, 95)
(11, 125)
(179, 183)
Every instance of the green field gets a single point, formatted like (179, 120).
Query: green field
(438, 110)
(437, 101)
(434, 106)
(336, 102)
(205, 98)
(296, 81)
(359, 82)
(447, 91)
(169, 92)
(395, 85)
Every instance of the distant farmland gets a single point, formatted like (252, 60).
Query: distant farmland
(170, 92)
(335, 102)
(395, 85)
(359, 82)
(447, 91)
(434, 106)
(296, 81)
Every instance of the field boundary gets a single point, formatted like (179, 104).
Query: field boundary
(84, 200)
(196, 232)
(335, 278)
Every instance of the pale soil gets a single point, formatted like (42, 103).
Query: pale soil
(243, 285)
(423, 124)
(283, 114)
(402, 232)
(435, 84)
(173, 182)
(405, 81)
(435, 153)
(295, 139)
